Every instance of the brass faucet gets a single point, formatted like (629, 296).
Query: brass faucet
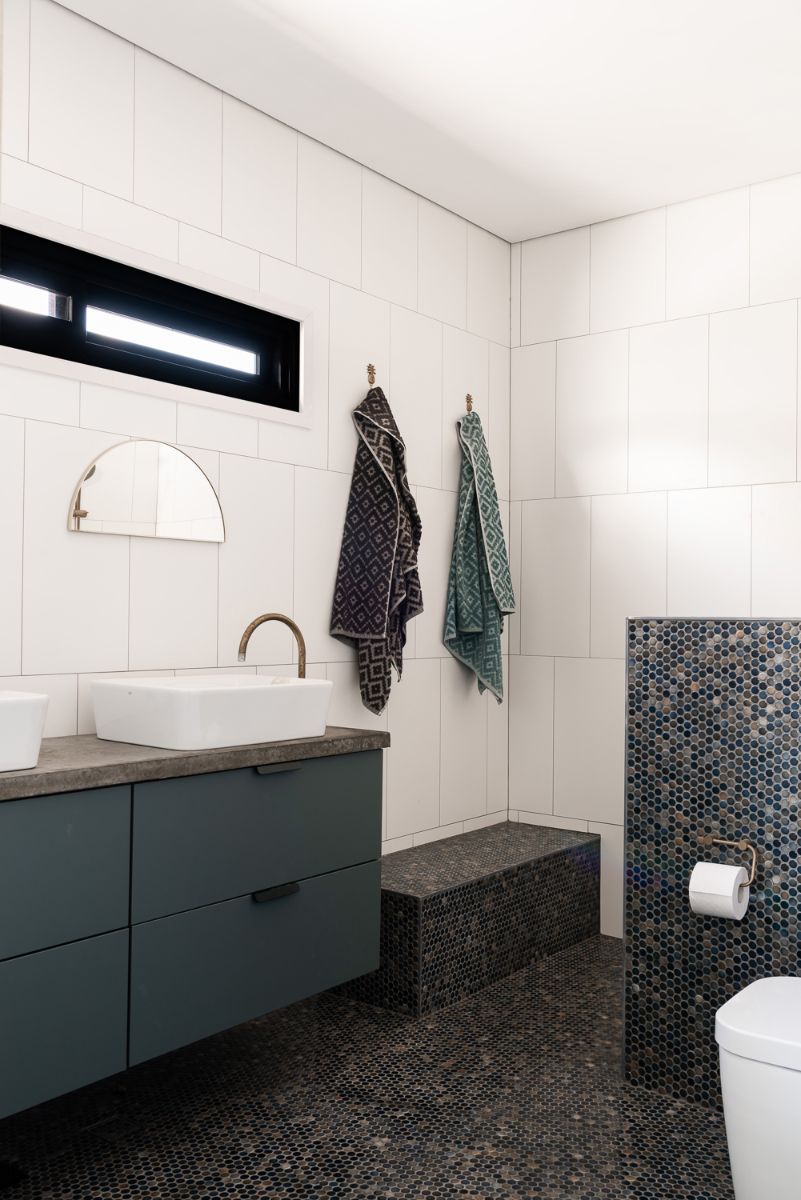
(246, 636)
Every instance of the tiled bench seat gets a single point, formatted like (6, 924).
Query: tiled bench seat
(460, 913)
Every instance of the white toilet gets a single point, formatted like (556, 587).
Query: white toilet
(759, 1035)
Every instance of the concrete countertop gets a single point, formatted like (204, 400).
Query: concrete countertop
(69, 764)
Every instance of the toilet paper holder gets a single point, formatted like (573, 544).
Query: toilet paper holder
(709, 839)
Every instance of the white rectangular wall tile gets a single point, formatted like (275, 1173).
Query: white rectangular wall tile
(669, 405)
(465, 370)
(321, 499)
(497, 797)
(61, 690)
(359, 334)
(87, 630)
(12, 474)
(14, 77)
(329, 213)
(555, 287)
(592, 414)
(438, 835)
(533, 422)
(463, 748)
(629, 568)
(81, 99)
(214, 430)
(496, 818)
(40, 397)
(550, 821)
(488, 296)
(612, 868)
(218, 257)
(707, 254)
(709, 553)
(516, 254)
(130, 414)
(442, 264)
(776, 563)
(496, 429)
(589, 731)
(752, 395)
(531, 734)
(259, 197)
(256, 558)
(515, 548)
(438, 515)
(413, 758)
(389, 240)
(130, 225)
(347, 708)
(627, 276)
(416, 392)
(776, 239)
(555, 577)
(178, 144)
(173, 608)
(37, 191)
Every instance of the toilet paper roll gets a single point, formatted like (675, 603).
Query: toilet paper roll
(716, 891)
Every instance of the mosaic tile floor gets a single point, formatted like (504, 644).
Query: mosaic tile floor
(514, 1092)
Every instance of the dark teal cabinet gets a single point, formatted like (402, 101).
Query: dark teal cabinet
(134, 920)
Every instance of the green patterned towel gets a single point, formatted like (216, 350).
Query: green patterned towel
(480, 584)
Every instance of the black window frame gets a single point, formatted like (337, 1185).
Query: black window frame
(92, 280)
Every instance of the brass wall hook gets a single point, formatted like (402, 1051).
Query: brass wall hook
(371, 374)
(468, 402)
(708, 839)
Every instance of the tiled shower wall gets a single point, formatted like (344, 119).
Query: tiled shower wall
(654, 469)
(152, 164)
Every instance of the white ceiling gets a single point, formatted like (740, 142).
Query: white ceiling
(526, 116)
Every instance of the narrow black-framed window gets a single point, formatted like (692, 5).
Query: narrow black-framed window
(65, 303)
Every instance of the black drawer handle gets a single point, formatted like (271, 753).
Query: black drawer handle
(278, 769)
(275, 893)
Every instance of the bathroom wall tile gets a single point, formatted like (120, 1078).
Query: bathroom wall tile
(413, 758)
(488, 284)
(495, 818)
(329, 213)
(612, 869)
(498, 747)
(592, 414)
(550, 821)
(515, 554)
(752, 370)
(707, 254)
(555, 577)
(389, 240)
(81, 99)
(629, 570)
(668, 405)
(38, 396)
(438, 835)
(178, 143)
(416, 393)
(130, 414)
(533, 422)
(775, 561)
(438, 515)
(208, 461)
(359, 334)
(14, 77)
(212, 429)
(347, 708)
(628, 271)
(256, 558)
(119, 221)
(173, 604)
(516, 255)
(709, 553)
(465, 369)
(396, 844)
(259, 170)
(86, 711)
(37, 191)
(217, 257)
(776, 239)
(531, 734)
(62, 711)
(463, 745)
(321, 499)
(555, 288)
(497, 434)
(12, 475)
(590, 714)
(87, 630)
(283, 284)
(442, 264)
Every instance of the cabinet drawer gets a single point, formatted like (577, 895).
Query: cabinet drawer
(213, 837)
(199, 972)
(64, 864)
(63, 1019)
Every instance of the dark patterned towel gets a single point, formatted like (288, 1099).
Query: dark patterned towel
(480, 584)
(378, 588)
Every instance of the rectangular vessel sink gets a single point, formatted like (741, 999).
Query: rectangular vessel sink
(203, 712)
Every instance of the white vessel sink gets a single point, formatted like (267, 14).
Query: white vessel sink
(22, 719)
(202, 712)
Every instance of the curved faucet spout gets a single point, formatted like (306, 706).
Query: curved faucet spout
(246, 636)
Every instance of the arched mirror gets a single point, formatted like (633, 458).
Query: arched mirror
(146, 489)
